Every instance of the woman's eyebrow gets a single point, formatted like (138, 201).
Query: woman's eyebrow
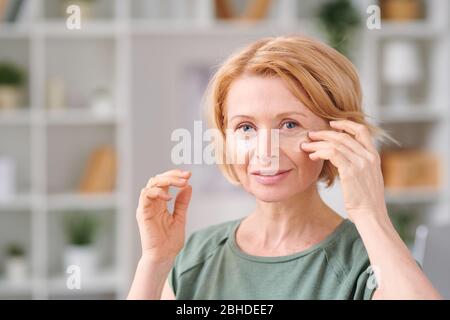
(280, 115)
(285, 114)
(241, 116)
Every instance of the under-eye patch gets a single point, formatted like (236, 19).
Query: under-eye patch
(292, 141)
(278, 140)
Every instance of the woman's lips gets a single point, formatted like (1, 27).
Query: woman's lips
(270, 179)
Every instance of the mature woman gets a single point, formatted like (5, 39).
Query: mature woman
(292, 246)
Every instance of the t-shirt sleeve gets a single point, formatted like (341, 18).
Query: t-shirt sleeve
(366, 284)
(180, 262)
(172, 279)
(198, 247)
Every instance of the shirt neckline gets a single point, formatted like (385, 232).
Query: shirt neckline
(329, 239)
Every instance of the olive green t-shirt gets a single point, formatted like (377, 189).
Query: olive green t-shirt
(212, 266)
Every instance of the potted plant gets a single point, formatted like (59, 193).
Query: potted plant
(339, 18)
(15, 263)
(81, 229)
(12, 79)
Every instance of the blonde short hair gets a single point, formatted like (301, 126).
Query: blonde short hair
(324, 80)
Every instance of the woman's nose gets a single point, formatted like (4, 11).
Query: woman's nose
(267, 145)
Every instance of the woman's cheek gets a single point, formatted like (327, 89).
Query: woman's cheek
(311, 168)
(238, 157)
(241, 172)
(239, 149)
(306, 167)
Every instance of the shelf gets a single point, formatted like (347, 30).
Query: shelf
(56, 28)
(95, 28)
(14, 30)
(78, 201)
(24, 117)
(79, 117)
(10, 288)
(104, 282)
(180, 27)
(21, 116)
(419, 195)
(420, 29)
(414, 114)
(17, 202)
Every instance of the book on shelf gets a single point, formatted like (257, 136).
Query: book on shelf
(12, 11)
(254, 10)
(100, 172)
(404, 169)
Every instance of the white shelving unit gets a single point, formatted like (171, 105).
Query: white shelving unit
(51, 148)
(129, 52)
(424, 124)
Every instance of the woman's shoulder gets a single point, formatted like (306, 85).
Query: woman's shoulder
(202, 243)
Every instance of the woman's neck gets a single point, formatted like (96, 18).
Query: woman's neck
(290, 225)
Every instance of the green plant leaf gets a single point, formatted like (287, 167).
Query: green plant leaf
(339, 18)
(81, 228)
(11, 74)
(15, 250)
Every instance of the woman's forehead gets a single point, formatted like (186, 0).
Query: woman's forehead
(256, 96)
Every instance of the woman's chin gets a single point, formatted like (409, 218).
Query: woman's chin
(275, 191)
(276, 194)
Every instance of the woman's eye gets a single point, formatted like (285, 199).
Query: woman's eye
(290, 124)
(246, 128)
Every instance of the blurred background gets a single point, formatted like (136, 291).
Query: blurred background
(86, 117)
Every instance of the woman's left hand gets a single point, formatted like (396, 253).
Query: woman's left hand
(354, 154)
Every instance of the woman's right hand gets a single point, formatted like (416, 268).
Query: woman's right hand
(162, 233)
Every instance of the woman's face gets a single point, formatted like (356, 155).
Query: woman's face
(266, 124)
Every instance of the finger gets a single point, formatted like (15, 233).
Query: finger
(155, 193)
(182, 202)
(336, 148)
(360, 131)
(343, 138)
(166, 181)
(152, 199)
(176, 173)
(334, 156)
